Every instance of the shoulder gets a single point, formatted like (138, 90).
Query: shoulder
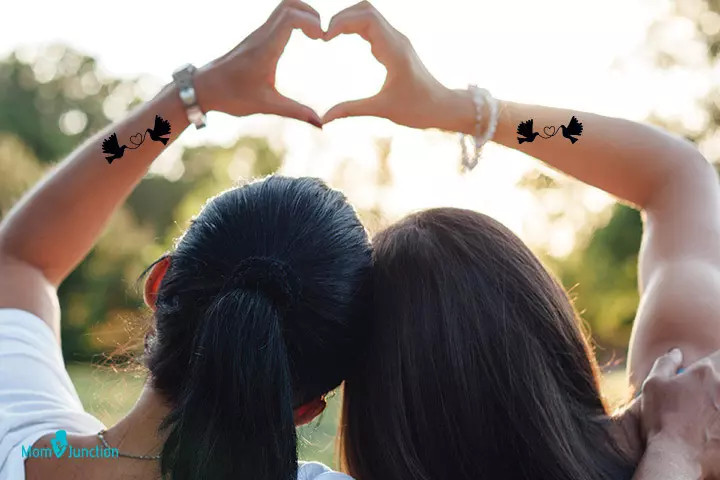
(37, 396)
(318, 471)
(59, 462)
(24, 287)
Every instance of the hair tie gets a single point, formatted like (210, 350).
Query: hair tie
(274, 277)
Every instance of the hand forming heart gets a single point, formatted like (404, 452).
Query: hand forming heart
(410, 96)
(242, 82)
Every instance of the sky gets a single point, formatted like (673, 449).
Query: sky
(579, 54)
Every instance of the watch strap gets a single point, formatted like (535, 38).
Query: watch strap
(183, 78)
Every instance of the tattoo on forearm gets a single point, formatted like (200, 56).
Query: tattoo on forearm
(111, 147)
(573, 129)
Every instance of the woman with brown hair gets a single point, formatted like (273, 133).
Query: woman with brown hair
(476, 365)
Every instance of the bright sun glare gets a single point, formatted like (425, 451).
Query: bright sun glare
(553, 52)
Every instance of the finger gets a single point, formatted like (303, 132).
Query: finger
(362, 19)
(355, 108)
(633, 409)
(339, 17)
(293, 4)
(353, 22)
(713, 358)
(356, 8)
(667, 365)
(292, 18)
(304, 7)
(386, 43)
(287, 107)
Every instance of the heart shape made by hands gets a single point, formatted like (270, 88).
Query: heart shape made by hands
(322, 74)
(550, 131)
(137, 139)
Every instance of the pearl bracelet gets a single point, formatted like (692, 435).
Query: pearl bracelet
(483, 101)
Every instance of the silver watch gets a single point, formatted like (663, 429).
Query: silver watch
(183, 77)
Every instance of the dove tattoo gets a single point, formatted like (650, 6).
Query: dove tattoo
(574, 127)
(111, 146)
(162, 127)
(570, 131)
(525, 130)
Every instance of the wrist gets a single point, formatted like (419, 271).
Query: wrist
(206, 88)
(682, 450)
(168, 101)
(458, 112)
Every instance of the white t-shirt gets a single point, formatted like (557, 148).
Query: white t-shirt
(37, 396)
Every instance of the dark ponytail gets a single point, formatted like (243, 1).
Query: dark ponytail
(258, 313)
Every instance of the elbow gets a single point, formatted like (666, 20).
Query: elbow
(692, 176)
(696, 171)
(698, 162)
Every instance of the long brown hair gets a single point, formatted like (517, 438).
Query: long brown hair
(476, 366)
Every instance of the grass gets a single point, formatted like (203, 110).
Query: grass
(109, 394)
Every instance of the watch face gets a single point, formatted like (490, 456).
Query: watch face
(187, 95)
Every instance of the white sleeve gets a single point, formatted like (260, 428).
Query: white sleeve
(37, 396)
(318, 471)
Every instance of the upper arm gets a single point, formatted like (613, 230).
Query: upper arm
(24, 287)
(679, 271)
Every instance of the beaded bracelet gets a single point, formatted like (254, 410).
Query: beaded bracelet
(483, 101)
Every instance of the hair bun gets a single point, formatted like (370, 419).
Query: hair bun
(274, 277)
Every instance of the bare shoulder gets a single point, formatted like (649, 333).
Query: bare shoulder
(45, 466)
(54, 459)
(73, 459)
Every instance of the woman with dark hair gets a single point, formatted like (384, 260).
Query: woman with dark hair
(477, 366)
(256, 310)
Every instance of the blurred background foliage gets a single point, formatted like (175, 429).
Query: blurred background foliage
(601, 272)
(49, 106)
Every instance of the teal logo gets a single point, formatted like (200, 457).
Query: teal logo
(61, 447)
(59, 443)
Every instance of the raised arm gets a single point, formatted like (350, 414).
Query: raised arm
(677, 191)
(664, 176)
(56, 224)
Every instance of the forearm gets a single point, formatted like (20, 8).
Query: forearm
(632, 161)
(56, 224)
(659, 173)
(665, 459)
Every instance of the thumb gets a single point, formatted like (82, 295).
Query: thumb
(287, 107)
(355, 108)
(667, 365)
(634, 408)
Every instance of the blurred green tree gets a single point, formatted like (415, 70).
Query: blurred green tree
(601, 273)
(53, 98)
(601, 276)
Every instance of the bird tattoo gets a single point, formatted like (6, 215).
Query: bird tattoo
(111, 147)
(525, 129)
(574, 127)
(162, 127)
